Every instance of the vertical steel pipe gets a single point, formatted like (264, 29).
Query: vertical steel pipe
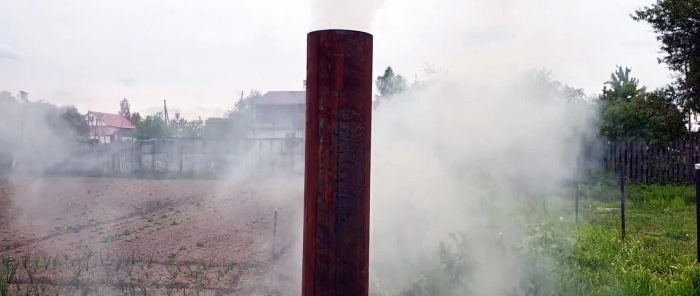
(337, 172)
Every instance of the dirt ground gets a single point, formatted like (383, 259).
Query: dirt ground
(169, 237)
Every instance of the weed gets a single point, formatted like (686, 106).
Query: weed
(8, 269)
(108, 238)
(4, 289)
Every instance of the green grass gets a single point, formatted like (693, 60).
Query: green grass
(658, 255)
(559, 257)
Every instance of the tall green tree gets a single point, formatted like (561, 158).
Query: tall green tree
(240, 118)
(629, 112)
(125, 108)
(677, 26)
(622, 86)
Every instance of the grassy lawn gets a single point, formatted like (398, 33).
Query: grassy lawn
(658, 256)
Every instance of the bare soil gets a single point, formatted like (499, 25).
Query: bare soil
(168, 237)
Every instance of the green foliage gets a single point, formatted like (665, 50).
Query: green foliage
(240, 118)
(70, 116)
(63, 121)
(677, 26)
(661, 193)
(183, 128)
(622, 86)
(558, 257)
(448, 278)
(628, 112)
(152, 126)
(658, 256)
(135, 118)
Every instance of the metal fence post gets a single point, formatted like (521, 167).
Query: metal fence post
(697, 210)
(622, 201)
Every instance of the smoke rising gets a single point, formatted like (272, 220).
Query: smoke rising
(455, 164)
(6, 52)
(455, 156)
(344, 14)
(36, 136)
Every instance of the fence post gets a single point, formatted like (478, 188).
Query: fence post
(153, 155)
(697, 210)
(181, 151)
(274, 252)
(577, 181)
(622, 201)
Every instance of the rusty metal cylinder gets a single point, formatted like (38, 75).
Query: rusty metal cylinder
(337, 172)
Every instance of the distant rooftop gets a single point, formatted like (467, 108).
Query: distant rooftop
(281, 98)
(113, 120)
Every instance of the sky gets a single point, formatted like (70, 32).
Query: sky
(201, 55)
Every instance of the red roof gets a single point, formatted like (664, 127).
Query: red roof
(114, 120)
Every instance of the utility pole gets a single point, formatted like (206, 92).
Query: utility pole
(165, 112)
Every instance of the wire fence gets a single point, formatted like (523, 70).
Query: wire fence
(173, 157)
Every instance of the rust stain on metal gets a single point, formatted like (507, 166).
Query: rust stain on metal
(338, 140)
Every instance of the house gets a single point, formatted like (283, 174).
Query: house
(109, 128)
(279, 115)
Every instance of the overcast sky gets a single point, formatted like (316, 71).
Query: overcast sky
(200, 55)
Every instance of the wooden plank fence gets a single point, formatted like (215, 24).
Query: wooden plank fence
(647, 163)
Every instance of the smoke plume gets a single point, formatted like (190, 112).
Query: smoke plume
(344, 14)
(457, 157)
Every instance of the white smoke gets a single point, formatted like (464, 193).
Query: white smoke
(458, 157)
(6, 52)
(344, 14)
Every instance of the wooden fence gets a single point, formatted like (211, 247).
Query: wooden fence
(646, 163)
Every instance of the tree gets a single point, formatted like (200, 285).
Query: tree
(629, 112)
(74, 120)
(177, 124)
(677, 25)
(152, 126)
(193, 128)
(622, 86)
(124, 108)
(390, 84)
(183, 128)
(240, 118)
(538, 84)
(135, 118)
